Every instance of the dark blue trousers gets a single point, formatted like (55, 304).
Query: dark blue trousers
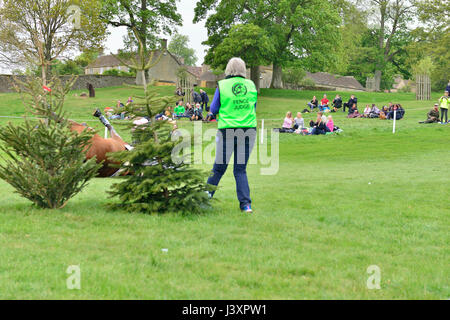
(239, 141)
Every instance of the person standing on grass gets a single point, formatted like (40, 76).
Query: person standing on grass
(443, 103)
(196, 97)
(205, 100)
(235, 103)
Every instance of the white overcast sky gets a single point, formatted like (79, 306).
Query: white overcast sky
(196, 32)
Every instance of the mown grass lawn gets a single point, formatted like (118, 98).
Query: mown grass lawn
(337, 205)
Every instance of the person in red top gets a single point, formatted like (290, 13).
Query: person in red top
(324, 103)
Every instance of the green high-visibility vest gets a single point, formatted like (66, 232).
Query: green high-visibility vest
(444, 102)
(237, 103)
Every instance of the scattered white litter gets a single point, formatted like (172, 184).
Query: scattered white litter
(165, 250)
(370, 182)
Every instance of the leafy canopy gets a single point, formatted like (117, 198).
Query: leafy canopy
(179, 45)
(247, 41)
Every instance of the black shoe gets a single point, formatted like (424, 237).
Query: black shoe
(97, 113)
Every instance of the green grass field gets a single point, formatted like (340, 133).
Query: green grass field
(338, 204)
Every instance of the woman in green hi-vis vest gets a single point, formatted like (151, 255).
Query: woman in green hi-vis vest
(235, 103)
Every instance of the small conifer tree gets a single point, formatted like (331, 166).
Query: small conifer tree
(158, 182)
(43, 160)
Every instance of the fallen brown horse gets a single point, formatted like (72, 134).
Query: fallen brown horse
(100, 147)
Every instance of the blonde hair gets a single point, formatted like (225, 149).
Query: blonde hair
(299, 114)
(236, 67)
(289, 114)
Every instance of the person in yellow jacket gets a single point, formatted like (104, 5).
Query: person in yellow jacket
(444, 102)
(235, 103)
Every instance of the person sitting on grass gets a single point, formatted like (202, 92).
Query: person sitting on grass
(299, 122)
(374, 112)
(432, 115)
(353, 112)
(210, 117)
(390, 107)
(119, 113)
(129, 101)
(337, 103)
(198, 113)
(288, 122)
(330, 124)
(398, 110)
(367, 111)
(179, 109)
(444, 103)
(383, 113)
(165, 115)
(324, 103)
(313, 104)
(318, 127)
(189, 112)
(179, 92)
(353, 100)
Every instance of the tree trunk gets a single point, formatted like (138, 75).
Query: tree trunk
(277, 81)
(377, 79)
(44, 75)
(255, 76)
(141, 78)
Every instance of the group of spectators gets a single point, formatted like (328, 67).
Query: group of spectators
(193, 111)
(201, 97)
(322, 125)
(334, 106)
(119, 111)
(386, 112)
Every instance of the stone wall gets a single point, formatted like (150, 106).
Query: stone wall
(98, 81)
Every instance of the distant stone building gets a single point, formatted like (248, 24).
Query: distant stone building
(400, 83)
(335, 82)
(104, 63)
(164, 72)
(207, 78)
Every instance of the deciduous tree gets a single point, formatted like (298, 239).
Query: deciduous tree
(40, 31)
(248, 42)
(145, 20)
(179, 45)
(298, 29)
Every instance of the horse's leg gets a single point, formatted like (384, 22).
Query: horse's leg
(107, 124)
